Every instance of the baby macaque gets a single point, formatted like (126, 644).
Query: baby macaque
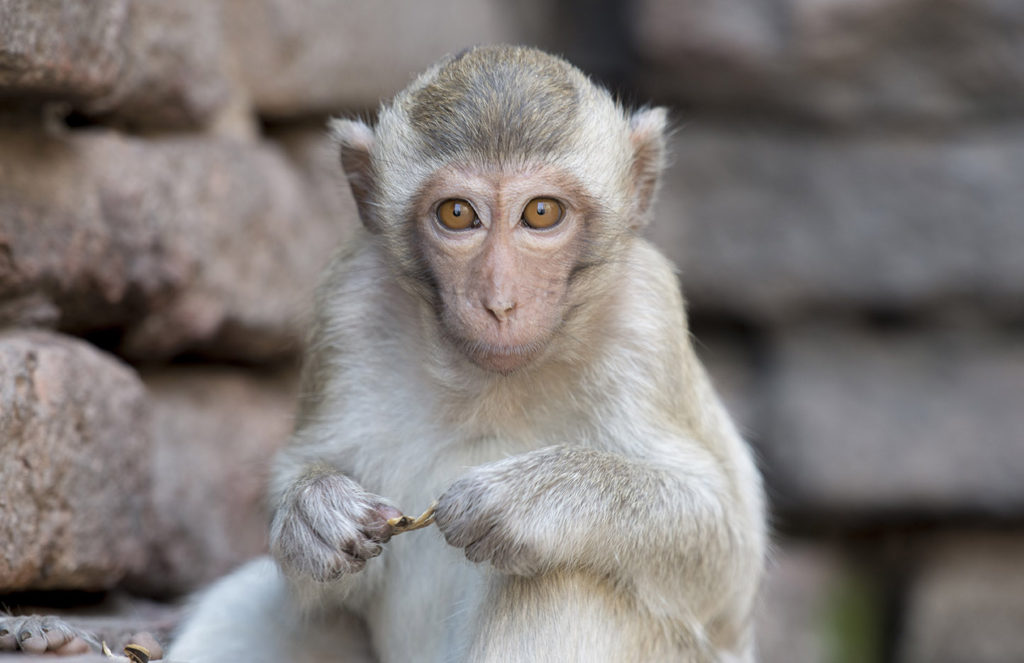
(498, 338)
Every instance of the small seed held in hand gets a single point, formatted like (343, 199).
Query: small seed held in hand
(402, 524)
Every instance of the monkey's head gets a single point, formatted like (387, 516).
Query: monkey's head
(498, 181)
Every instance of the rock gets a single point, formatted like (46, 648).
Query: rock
(318, 162)
(767, 225)
(62, 49)
(915, 422)
(967, 602)
(839, 61)
(215, 431)
(299, 59)
(74, 483)
(174, 73)
(175, 244)
(147, 64)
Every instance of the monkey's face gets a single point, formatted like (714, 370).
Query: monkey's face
(501, 247)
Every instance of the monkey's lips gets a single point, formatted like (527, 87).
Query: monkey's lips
(502, 359)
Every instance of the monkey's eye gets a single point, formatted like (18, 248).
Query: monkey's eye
(543, 213)
(457, 215)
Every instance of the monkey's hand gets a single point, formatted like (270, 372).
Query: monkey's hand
(502, 513)
(327, 526)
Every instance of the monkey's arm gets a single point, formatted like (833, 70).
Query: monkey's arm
(675, 532)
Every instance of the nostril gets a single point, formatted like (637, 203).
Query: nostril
(501, 312)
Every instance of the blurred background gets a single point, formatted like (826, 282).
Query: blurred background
(845, 204)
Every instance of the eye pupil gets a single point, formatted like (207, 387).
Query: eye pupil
(457, 209)
(542, 209)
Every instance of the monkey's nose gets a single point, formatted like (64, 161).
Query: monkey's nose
(501, 311)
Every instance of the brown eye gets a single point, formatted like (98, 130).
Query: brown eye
(543, 213)
(457, 215)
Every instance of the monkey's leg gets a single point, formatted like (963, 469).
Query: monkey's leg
(575, 617)
(248, 616)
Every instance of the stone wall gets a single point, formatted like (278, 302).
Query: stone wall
(843, 204)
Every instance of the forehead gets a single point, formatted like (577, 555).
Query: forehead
(530, 180)
(497, 104)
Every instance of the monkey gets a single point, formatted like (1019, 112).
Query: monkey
(497, 336)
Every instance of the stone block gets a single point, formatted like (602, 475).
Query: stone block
(147, 64)
(175, 72)
(74, 482)
(298, 59)
(770, 224)
(840, 61)
(318, 163)
(174, 244)
(918, 422)
(966, 604)
(215, 431)
(62, 49)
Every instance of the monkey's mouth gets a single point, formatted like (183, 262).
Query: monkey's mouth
(504, 359)
(503, 353)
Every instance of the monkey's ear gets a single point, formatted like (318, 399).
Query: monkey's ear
(355, 141)
(647, 136)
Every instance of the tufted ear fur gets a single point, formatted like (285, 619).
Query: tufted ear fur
(647, 137)
(355, 141)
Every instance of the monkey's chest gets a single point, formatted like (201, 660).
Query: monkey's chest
(427, 601)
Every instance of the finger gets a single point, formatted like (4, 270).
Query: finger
(75, 645)
(56, 637)
(378, 525)
(7, 640)
(31, 638)
(363, 549)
